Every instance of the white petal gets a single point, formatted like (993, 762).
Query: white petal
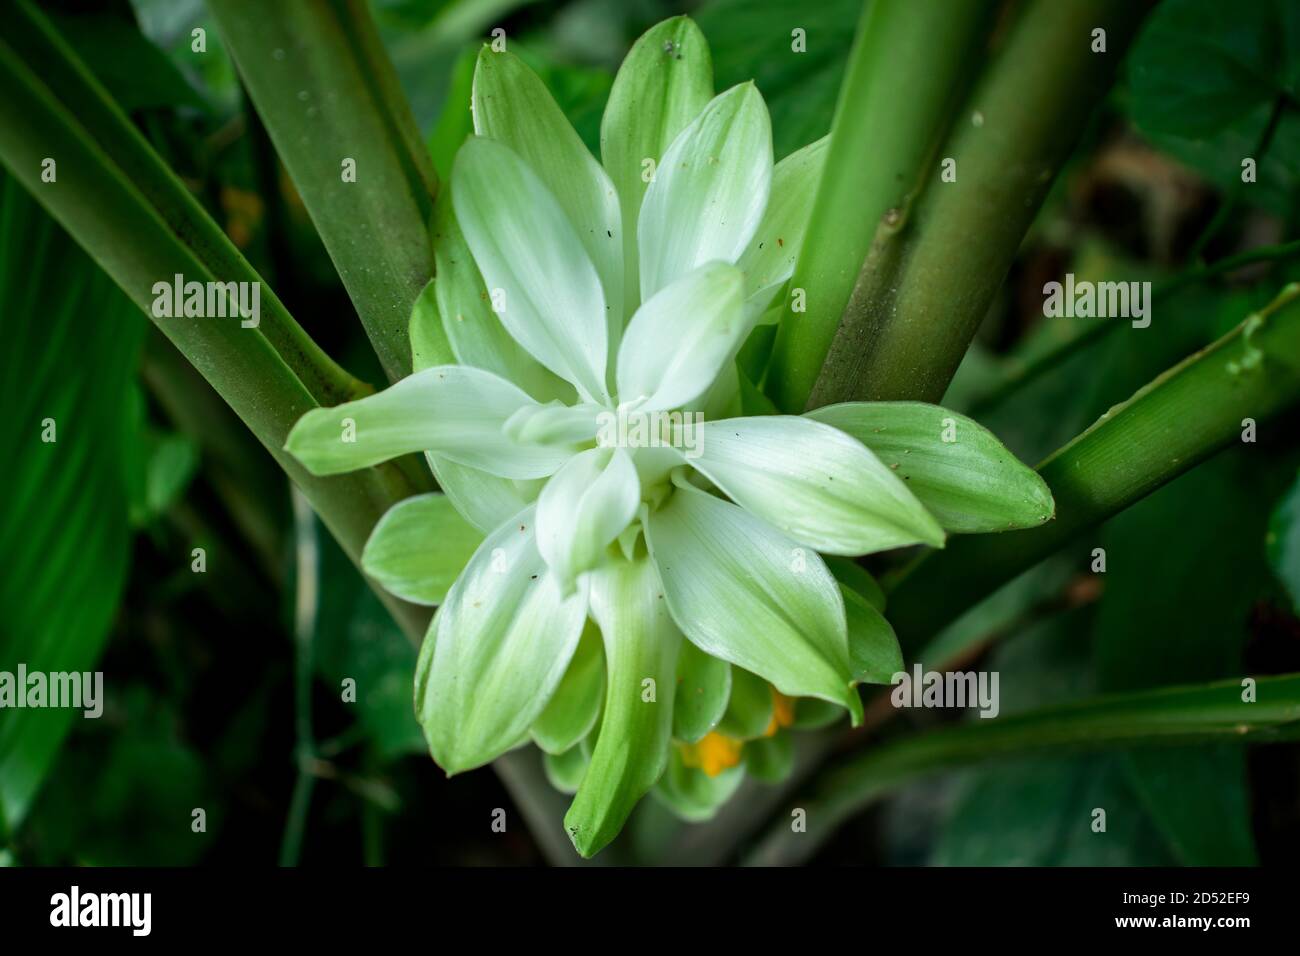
(532, 259)
(744, 592)
(472, 330)
(709, 191)
(641, 643)
(453, 410)
(583, 508)
(680, 339)
(513, 106)
(815, 483)
(664, 82)
(495, 651)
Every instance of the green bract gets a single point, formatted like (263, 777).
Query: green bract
(574, 395)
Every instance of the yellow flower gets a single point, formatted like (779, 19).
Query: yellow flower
(713, 753)
(782, 712)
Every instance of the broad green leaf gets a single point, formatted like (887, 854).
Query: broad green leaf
(857, 578)
(744, 592)
(641, 643)
(1170, 616)
(548, 293)
(1199, 66)
(769, 260)
(583, 508)
(419, 547)
(665, 81)
(749, 711)
(1038, 811)
(318, 73)
(577, 701)
(70, 346)
(472, 330)
(455, 411)
(1284, 543)
(703, 690)
(513, 106)
(692, 794)
(770, 759)
(141, 767)
(873, 647)
(816, 483)
(1204, 77)
(963, 475)
(496, 650)
(681, 337)
(754, 39)
(564, 771)
(709, 192)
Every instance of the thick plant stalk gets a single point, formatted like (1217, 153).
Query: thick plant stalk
(330, 100)
(928, 283)
(118, 200)
(1163, 718)
(908, 59)
(122, 204)
(1169, 426)
(41, 53)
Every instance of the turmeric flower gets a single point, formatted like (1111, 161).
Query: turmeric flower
(628, 567)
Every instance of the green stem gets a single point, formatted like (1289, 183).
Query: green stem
(127, 210)
(1100, 331)
(1169, 425)
(926, 286)
(58, 74)
(327, 94)
(1165, 717)
(907, 61)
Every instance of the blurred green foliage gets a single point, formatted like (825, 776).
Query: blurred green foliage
(70, 446)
